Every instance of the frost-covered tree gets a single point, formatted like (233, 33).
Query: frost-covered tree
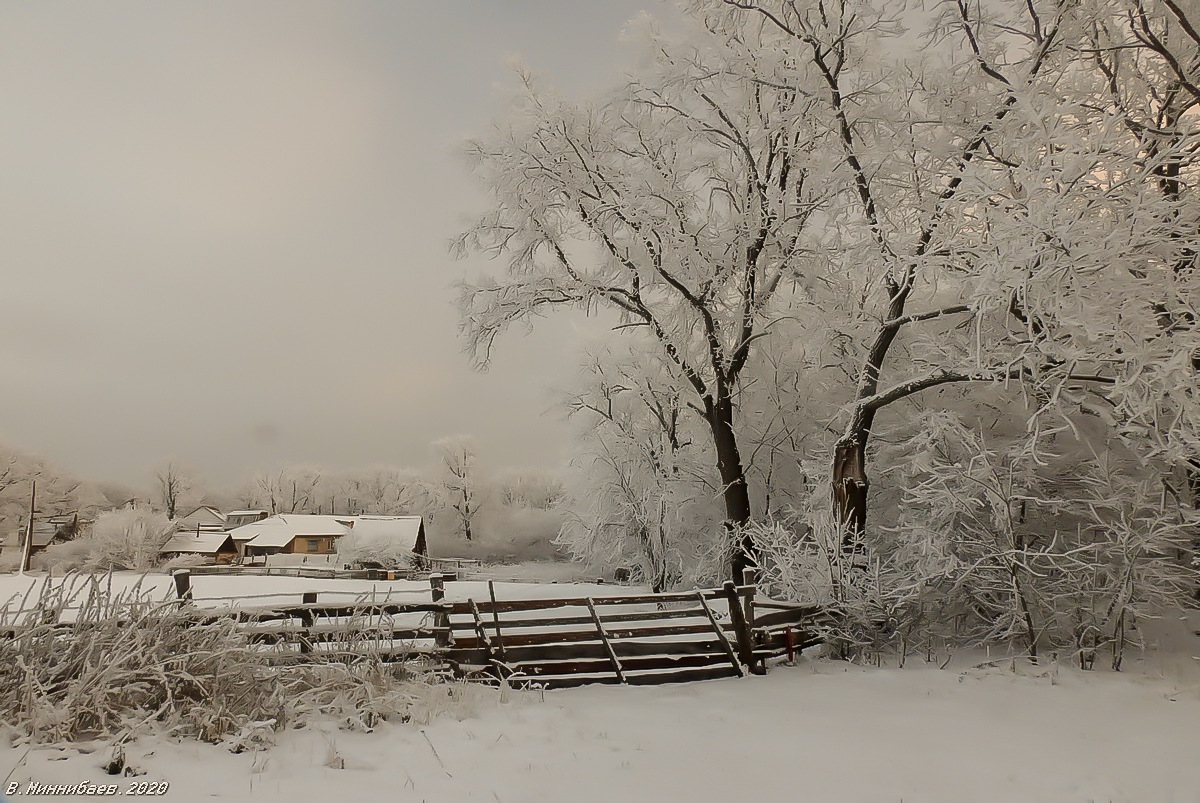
(291, 489)
(640, 491)
(994, 216)
(172, 483)
(57, 492)
(382, 490)
(539, 490)
(461, 485)
(127, 539)
(680, 203)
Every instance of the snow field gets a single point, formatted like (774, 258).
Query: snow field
(978, 730)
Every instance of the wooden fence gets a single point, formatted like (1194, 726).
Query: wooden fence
(639, 639)
(455, 568)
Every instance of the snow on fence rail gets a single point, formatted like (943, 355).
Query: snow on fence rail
(557, 642)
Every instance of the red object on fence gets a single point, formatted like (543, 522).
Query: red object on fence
(791, 645)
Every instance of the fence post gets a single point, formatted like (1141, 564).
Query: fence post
(496, 619)
(183, 585)
(308, 618)
(750, 581)
(437, 590)
(738, 617)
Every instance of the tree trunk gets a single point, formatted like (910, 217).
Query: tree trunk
(850, 488)
(736, 493)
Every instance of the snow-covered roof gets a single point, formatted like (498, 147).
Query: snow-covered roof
(246, 513)
(205, 514)
(206, 543)
(278, 531)
(400, 528)
(44, 534)
(207, 508)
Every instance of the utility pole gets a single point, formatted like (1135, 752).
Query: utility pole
(27, 547)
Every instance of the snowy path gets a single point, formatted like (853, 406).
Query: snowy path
(821, 731)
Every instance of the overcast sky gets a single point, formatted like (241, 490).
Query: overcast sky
(224, 229)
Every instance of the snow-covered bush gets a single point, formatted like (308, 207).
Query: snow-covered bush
(128, 539)
(1132, 558)
(1049, 550)
(184, 561)
(375, 552)
(994, 542)
(872, 604)
(64, 557)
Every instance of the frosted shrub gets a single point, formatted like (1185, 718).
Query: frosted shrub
(65, 557)
(128, 539)
(872, 604)
(184, 561)
(1033, 551)
(1134, 557)
(130, 663)
(386, 553)
(119, 539)
(1045, 551)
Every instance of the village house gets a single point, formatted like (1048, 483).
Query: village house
(54, 530)
(204, 517)
(408, 531)
(293, 534)
(312, 534)
(216, 545)
(240, 518)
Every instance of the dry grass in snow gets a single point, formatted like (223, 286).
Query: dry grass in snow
(130, 664)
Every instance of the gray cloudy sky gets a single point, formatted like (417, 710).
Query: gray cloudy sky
(224, 228)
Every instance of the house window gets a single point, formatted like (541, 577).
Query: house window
(314, 545)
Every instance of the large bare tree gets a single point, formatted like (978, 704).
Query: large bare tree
(680, 204)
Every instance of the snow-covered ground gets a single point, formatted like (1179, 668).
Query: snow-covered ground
(820, 731)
